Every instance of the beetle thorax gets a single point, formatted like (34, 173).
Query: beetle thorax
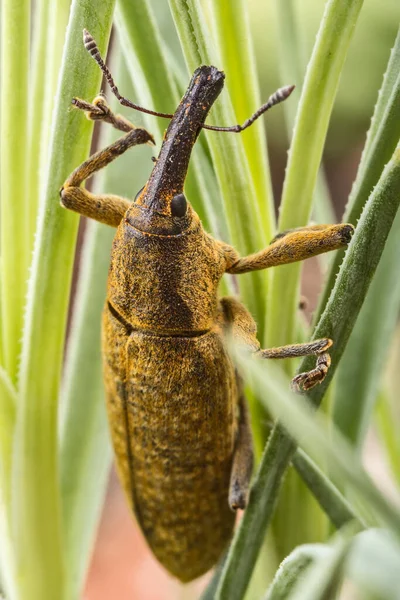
(165, 284)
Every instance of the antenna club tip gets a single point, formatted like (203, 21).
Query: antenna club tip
(287, 90)
(86, 36)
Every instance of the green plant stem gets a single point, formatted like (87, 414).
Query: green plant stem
(337, 321)
(359, 374)
(380, 144)
(323, 581)
(318, 93)
(389, 83)
(15, 248)
(232, 28)
(329, 497)
(292, 69)
(8, 406)
(292, 568)
(36, 104)
(55, 38)
(85, 452)
(36, 496)
(388, 426)
(8, 403)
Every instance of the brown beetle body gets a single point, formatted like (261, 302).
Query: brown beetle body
(171, 394)
(176, 409)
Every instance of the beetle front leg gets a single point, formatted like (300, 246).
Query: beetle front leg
(100, 111)
(293, 246)
(242, 327)
(108, 209)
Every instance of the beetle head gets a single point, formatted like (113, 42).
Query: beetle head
(162, 198)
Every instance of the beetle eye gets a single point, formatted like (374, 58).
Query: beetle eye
(138, 194)
(178, 206)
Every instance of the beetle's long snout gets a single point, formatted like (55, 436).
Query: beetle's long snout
(169, 173)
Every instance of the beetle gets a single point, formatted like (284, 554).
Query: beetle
(177, 412)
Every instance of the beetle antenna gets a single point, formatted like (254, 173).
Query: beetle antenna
(279, 96)
(94, 52)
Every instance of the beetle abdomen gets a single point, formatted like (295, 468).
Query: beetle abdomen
(172, 409)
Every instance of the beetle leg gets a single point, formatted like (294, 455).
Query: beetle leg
(242, 466)
(292, 246)
(243, 329)
(100, 111)
(108, 209)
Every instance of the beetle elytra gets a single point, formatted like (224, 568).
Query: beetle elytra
(177, 412)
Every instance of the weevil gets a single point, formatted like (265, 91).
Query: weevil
(177, 411)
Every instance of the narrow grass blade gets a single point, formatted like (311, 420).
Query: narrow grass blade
(85, 452)
(8, 405)
(387, 422)
(314, 110)
(293, 567)
(323, 580)
(292, 69)
(380, 146)
(234, 42)
(389, 82)
(36, 103)
(360, 372)
(15, 248)
(329, 497)
(374, 564)
(337, 321)
(36, 496)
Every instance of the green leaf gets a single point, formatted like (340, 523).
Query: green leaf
(8, 402)
(85, 453)
(359, 374)
(380, 145)
(329, 497)
(15, 224)
(293, 567)
(323, 580)
(234, 44)
(374, 564)
(388, 426)
(36, 501)
(312, 120)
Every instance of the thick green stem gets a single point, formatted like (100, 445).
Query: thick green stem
(381, 141)
(15, 247)
(36, 502)
(360, 372)
(329, 497)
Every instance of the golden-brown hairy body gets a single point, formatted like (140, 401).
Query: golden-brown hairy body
(173, 432)
(172, 405)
